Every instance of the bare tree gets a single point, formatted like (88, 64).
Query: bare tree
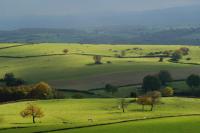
(123, 104)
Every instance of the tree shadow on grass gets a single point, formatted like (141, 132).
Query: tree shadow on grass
(140, 110)
(22, 123)
(93, 64)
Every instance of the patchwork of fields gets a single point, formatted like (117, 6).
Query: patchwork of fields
(75, 70)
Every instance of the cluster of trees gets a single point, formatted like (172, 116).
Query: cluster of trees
(37, 91)
(159, 83)
(174, 55)
(10, 80)
(178, 54)
(155, 82)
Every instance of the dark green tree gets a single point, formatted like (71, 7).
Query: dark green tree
(151, 83)
(176, 56)
(164, 77)
(193, 81)
(111, 88)
(9, 79)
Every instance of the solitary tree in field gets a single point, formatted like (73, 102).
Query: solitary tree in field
(144, 100)
(97, 59)
(123, 53)
(193, 81)
(155, 97)
(151, 83)
(161, 59)
(164, 77)
(184, 50)
(32, 111)
(123, 104)
(65, 51)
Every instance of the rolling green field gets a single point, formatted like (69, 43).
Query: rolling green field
(62, 114)
(166, 125)
(76, 70)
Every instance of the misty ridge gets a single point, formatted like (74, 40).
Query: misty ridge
(176, 25)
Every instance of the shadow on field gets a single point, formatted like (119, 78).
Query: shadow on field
(93, 64)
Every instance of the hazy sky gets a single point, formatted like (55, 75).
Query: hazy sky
(72, 7)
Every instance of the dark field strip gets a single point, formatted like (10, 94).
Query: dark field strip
(13, 46)
(31, 56)
(188, 63)
(4, 129)
(124, 121)
(130, 85)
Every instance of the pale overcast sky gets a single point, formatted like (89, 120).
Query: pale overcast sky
(72, 7)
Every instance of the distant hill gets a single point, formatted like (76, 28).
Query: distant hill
(177, 16)
(107, 35)
(178, 25)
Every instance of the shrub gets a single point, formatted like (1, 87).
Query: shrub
(65, 51)
(111, 89)
(77, 96)
(109, 62)
(188, 58)
(167, 92)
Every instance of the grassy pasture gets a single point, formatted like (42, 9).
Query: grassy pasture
(67, 113)
(75, 71)
(166, 125)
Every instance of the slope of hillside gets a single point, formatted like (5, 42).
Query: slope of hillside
(63, 114)
(76, 69)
